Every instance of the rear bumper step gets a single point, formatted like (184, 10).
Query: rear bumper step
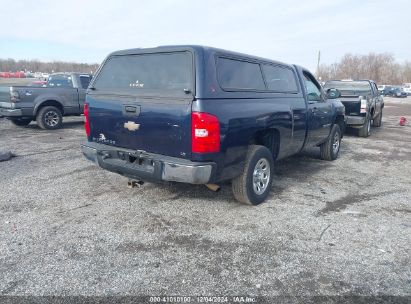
(10, 112)
(148, 166)
(355, 120)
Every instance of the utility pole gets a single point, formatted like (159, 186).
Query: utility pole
(318, 64)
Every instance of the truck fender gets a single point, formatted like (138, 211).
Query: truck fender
(372, 111)
(339, 118)
(269, 138)
(48, 102)
(340, 121)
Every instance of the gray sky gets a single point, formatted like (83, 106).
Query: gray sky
(289, 31)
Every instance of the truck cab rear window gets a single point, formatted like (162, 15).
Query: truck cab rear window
(350, 88)
(60, 81)
(85, 81)
(239, 75)
(159, 72)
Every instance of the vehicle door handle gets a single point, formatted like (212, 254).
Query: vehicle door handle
(131, 110)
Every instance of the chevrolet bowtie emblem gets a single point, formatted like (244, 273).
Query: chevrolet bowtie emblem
(131, 126)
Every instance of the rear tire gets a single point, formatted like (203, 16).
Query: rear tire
(330, 149)
(253, 185)
(49, 118)
(20, 122)
(378, 121)
(365, 130)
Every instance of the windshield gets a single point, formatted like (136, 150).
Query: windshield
(147, 72)
(350, 88)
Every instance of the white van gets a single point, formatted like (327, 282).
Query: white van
(382, 87)
(406, 87)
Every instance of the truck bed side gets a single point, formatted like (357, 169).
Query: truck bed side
(280, 123)
(31, 98)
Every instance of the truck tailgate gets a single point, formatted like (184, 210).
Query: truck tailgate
(143, 102)
(352, 105)
(155, 125)
(5, 94)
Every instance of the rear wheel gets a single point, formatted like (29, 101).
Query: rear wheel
(377, 122)
(49, 118)
(253, 185)
(330, 149)
(20, 122)
(365, 130)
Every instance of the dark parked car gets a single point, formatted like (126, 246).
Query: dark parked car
(363, 103)
(386, 90)
(397, 92)
(394, 92)
(201, 115)
(63, 95)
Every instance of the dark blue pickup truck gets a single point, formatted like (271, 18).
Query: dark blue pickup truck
(202, 115)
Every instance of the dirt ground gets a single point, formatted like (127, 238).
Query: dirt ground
(328, 228)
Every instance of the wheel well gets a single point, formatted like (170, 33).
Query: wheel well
(51, 103)
(339, 120)
(268, 138)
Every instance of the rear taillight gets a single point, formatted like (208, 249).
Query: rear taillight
(86, 120)
(363, 106)
(205, 133)
(14, 96)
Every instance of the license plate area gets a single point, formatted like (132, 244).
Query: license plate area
(139, 160)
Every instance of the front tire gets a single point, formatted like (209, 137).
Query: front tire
(253, 185)
(365, 130)
(20, 122)
(330, 149)
(49, 118)
(377, 122)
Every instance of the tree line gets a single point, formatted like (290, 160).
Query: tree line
(382, 68)
(11, 65)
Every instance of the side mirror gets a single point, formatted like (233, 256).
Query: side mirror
(333, 93)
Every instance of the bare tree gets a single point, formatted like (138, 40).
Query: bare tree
(11, 65)
(382, 68)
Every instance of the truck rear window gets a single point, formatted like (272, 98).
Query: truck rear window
(85, 81)
(350, 88)
(60, 81)
(147, 72)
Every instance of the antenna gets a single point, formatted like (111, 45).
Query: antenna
(318, 64)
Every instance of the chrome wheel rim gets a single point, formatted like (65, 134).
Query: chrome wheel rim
(336, 142)
(51, 118)
(261, 176)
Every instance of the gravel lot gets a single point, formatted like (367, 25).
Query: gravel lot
(328, 228)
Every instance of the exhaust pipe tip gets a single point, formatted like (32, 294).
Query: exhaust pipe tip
(134, 183)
